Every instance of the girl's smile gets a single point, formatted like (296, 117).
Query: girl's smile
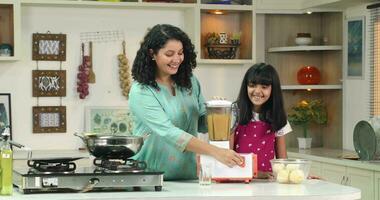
(258, 94)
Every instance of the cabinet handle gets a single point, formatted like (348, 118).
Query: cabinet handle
(346, 183)
(342, 181)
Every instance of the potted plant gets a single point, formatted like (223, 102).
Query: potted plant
(212, 38)
(305, 113)
(235, 38)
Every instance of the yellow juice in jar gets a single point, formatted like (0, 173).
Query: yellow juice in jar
(218, 126)
(6, 172)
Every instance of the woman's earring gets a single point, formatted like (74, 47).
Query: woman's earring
(153, 58)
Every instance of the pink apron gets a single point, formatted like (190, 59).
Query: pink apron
(256, 137)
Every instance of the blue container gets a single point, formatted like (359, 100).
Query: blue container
(220, 2)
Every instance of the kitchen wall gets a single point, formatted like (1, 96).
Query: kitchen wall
(221, 80)
(15, 77)
(356, 91)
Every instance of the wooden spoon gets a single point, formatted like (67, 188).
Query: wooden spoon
(91, 76)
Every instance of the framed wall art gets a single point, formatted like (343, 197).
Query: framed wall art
(49, 83)
(355, 48)
(49, 47)
(108, 120)
(5, 112)
(49, 119)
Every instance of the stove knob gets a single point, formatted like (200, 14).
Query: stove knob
(94, 181)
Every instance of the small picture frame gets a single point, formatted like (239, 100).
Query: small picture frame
(49, 119)
(108, 120)
(5, 112)
(355, 57)
(49, 47)
(49, 83)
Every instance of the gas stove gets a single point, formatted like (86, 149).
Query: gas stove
(111, 175)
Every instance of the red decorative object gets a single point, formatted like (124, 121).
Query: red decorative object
(308, 75)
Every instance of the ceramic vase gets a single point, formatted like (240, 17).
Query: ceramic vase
(304, 143)
(303, 39)
(308, 75)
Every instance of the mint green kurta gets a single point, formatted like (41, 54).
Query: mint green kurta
(171, 121)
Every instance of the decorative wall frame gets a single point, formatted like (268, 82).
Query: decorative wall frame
(49, 119)
(5, 112)
(355, 58)
(108, 120)
(49, 47)
(49, 83)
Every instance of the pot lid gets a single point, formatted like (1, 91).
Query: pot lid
(364, 140)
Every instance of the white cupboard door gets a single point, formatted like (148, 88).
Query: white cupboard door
(334, 173)
(362, 179)
(316, 169)
(377, 185)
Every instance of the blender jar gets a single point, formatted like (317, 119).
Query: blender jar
(219, 119)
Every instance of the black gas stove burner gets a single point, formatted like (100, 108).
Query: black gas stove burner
(122, 165)
(48, 166)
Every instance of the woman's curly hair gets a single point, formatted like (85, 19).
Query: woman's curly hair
(144, 68)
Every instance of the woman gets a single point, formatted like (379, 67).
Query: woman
(167, 104)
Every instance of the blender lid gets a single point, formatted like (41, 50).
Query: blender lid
(218, 103)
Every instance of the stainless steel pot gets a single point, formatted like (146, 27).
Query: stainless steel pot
(111, 146)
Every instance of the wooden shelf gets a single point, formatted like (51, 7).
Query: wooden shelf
(132, 5)
(8, 58)
(225, 61)
(311, 87)
(226, 7)
(306, 48)
(237, 19)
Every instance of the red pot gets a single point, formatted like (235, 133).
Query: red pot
(308, 75)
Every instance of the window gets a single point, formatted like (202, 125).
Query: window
(374, 60)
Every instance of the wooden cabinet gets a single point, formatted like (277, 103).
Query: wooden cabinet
(325, 53)
(10, 28)
(278, 5)
(331, 169)
(359, 178)
(232, 20)
(362, 179)
(201, 17)
(316, 169)
(334, 173)
(377, 185)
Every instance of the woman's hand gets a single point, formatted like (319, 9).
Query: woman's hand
(228, 157)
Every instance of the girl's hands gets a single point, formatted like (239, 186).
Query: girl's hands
(265, 175)
(228, 157)
(314, 177)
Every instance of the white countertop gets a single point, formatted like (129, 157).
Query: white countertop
(257, 190)
(263, 190)
(334, 156)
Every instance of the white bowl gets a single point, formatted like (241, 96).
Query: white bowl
(293, 171)
(303, 41)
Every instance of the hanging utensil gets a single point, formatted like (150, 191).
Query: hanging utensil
(124, 72)
(91, 76)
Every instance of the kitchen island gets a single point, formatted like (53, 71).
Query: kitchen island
(257, 190)
(190, 190)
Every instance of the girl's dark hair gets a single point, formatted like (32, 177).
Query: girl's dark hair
(144, 68)
(272, 111)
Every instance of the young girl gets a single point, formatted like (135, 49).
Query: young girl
(261, 123)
